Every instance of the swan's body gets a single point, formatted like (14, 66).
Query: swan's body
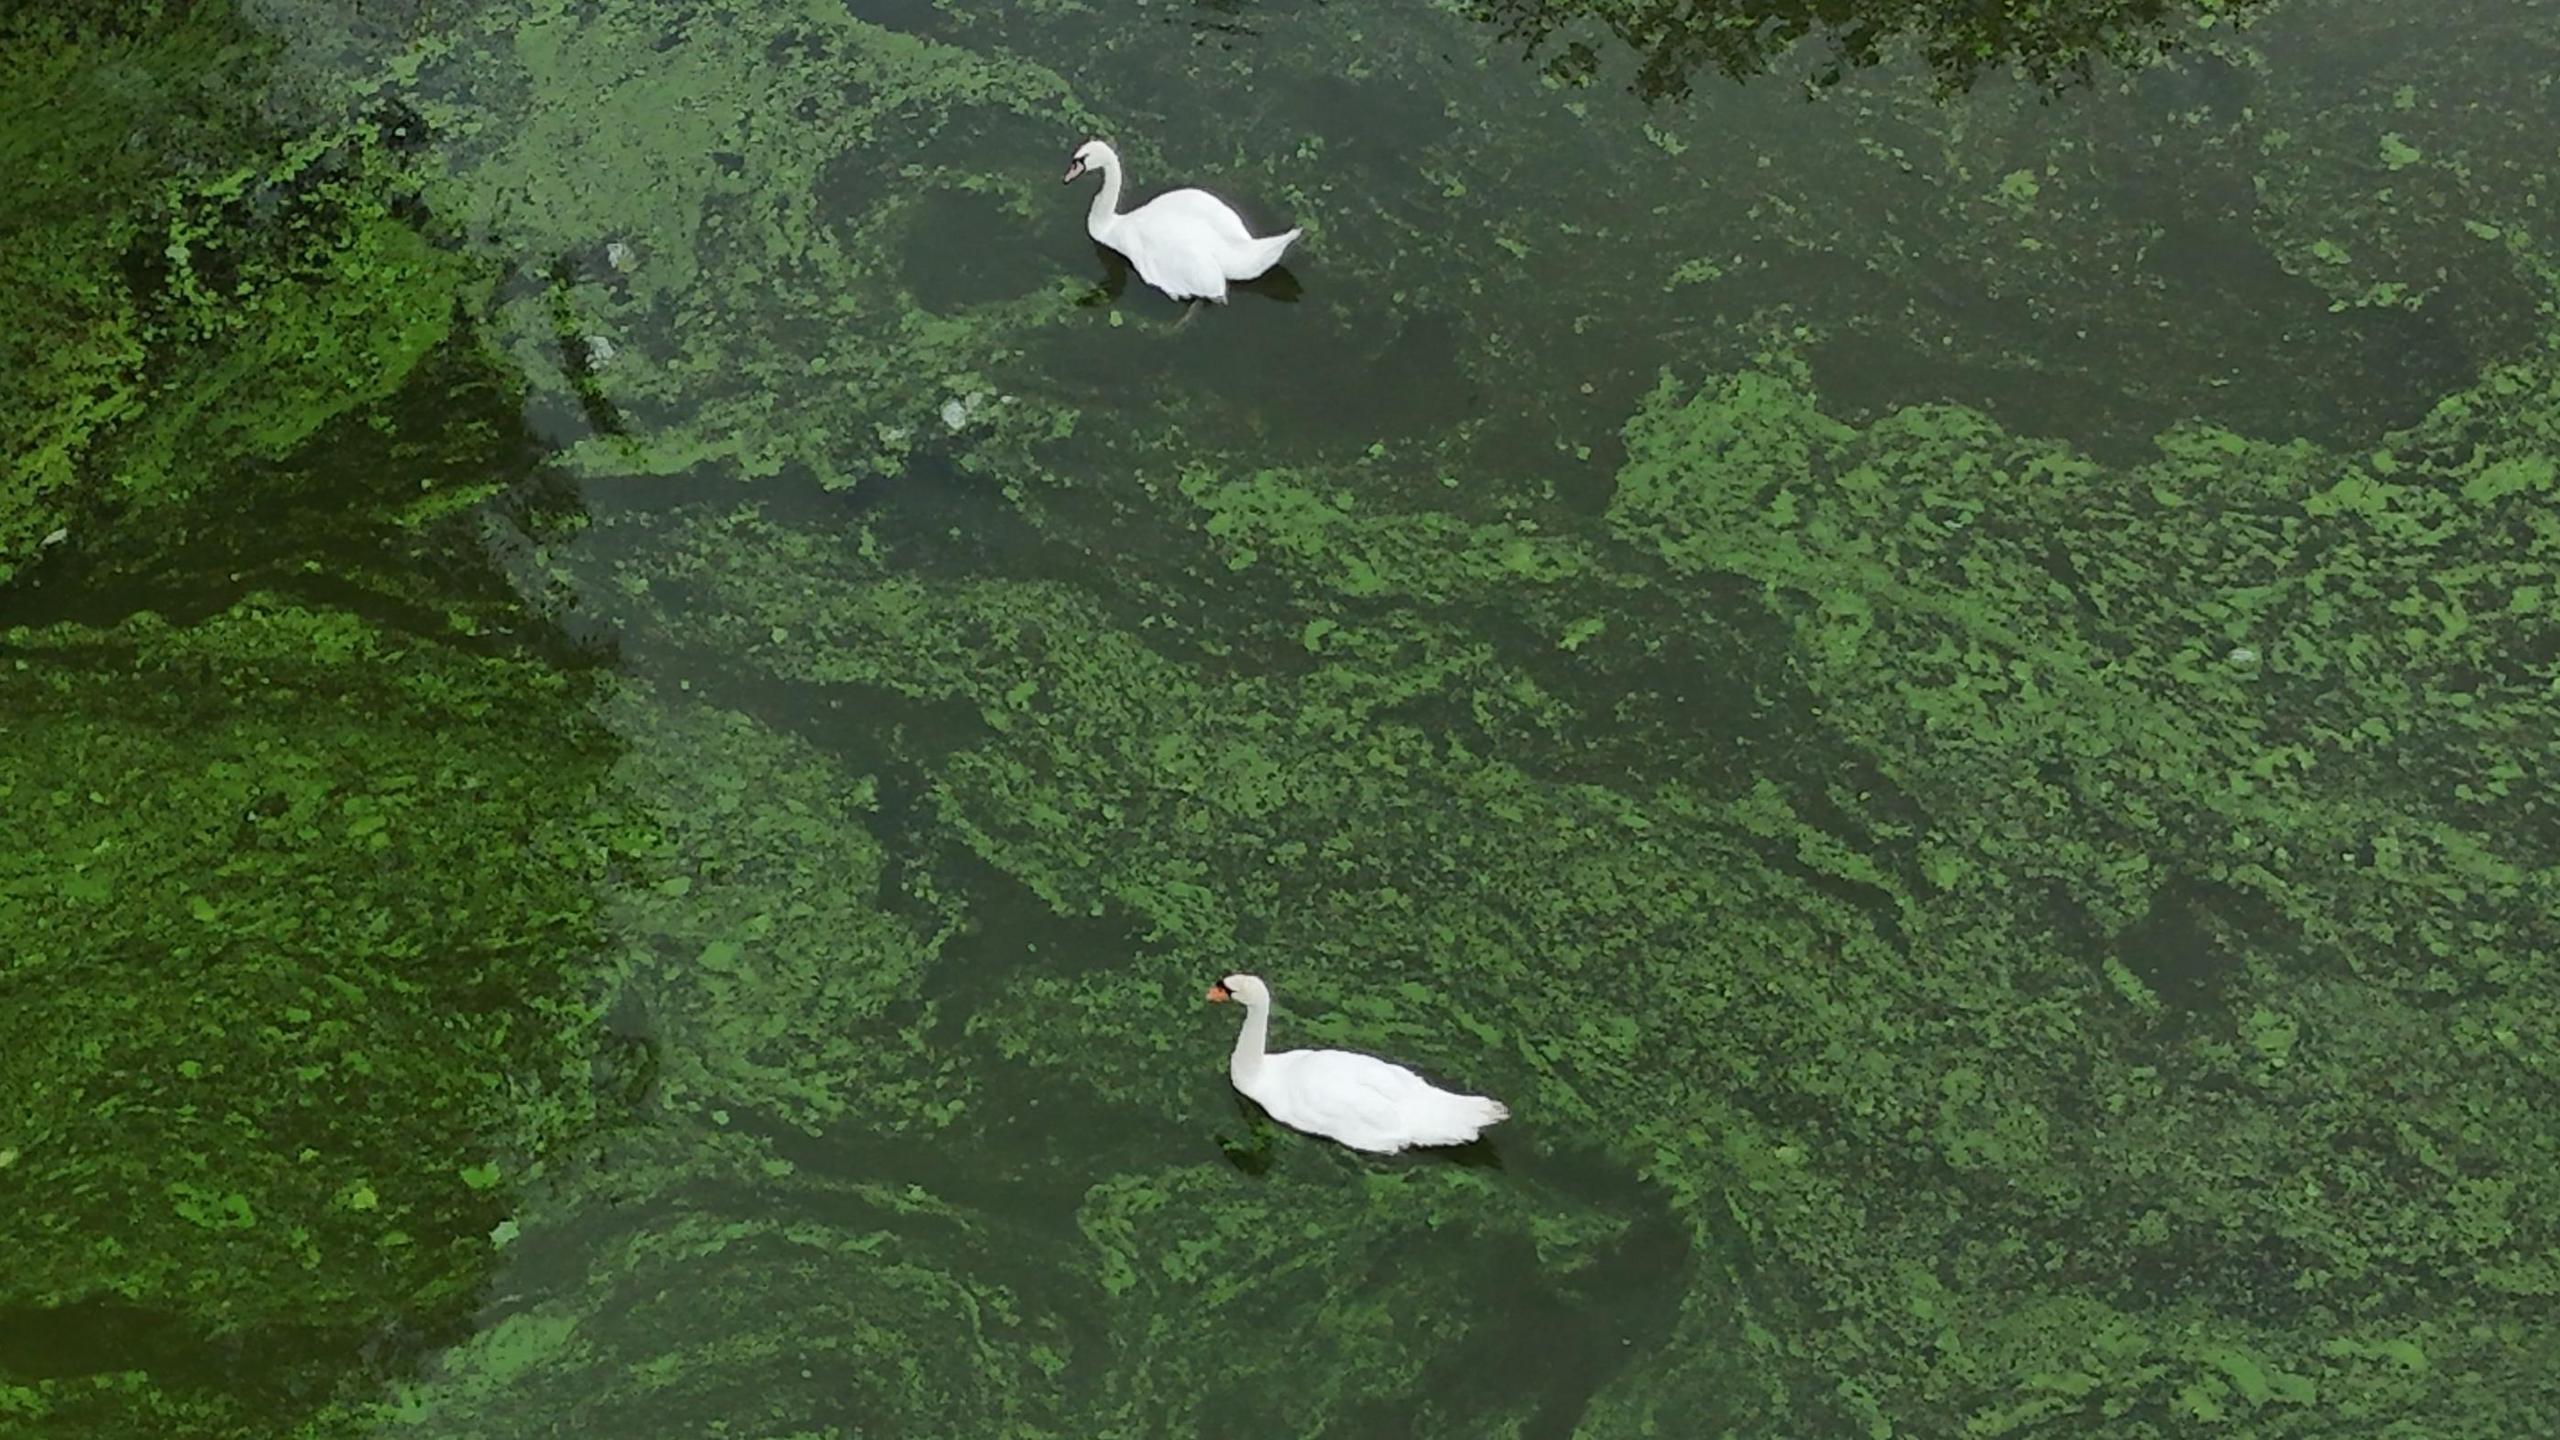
(1186, 243)
(1363, 1101)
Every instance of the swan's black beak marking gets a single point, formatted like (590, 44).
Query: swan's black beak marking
(1074, 169)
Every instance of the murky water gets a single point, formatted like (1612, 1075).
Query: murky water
(642, 691)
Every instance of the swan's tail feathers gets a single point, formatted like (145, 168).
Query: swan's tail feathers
(1264, 254)
(1461, 1118)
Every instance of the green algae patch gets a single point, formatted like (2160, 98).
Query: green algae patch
(186, 280)
(1408, 1274)
(307, 818)
(2075, 788)
(777, 162)
(804, 1309)
(775, 981)
(246, 1029)
(2156, 701)
(2045, 823)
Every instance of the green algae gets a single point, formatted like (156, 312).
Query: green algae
(794, 1308)
(764, 959)
(284, 1036)
(2185, 676)
(2121, 710)
(1502, 246)
(1987, 926)
(188, 279)
(242, 1028)
(1117, 778)
(731, 184)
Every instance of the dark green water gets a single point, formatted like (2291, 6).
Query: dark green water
(639, 695)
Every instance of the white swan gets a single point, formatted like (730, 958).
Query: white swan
(1186, 243)
(1360, 1100)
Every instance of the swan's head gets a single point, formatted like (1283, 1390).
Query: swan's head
(1247, 988)
(1091, 155)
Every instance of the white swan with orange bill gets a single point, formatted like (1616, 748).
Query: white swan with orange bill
(1186, 243)
(1364, 1102)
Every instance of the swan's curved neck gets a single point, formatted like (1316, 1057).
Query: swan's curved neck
(1242, 1065)
(1106, 201)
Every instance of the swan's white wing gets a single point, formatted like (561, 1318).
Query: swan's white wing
(1174, 263)
(1349, 1097)
(1190, 243)
(1197, 211)
(1363, 1101)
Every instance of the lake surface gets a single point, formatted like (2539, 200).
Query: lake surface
(641, 694)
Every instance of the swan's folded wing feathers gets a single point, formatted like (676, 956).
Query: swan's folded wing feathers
(1198, 208)
(1373, 1104)
(1181, 273)
(1190, 243)
(1339, 1085)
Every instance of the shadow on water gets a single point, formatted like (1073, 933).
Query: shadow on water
(1562, 1336)
(336, 497)
(1276, 283)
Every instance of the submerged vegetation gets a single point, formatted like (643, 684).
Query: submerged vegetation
(638, 706)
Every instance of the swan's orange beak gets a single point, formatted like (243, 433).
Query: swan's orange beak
(1220, 992)
(1074, 169)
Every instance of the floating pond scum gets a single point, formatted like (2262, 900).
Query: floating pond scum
(639, 693)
